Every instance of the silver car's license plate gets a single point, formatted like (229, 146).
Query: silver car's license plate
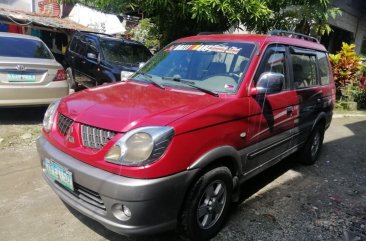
(23, 77)
(58, 173)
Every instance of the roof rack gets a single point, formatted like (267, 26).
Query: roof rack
(292, 35)
(208, 33)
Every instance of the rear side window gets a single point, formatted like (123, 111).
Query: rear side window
(24, 48)
(323, 68)
(304, 70)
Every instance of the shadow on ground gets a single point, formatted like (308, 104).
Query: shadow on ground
(22, 115)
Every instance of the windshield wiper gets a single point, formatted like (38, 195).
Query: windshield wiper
(149, 78)
(191, 84)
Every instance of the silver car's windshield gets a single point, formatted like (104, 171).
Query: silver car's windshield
(214, 66)
(23, 48)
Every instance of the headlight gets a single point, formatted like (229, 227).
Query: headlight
(125, 75)
(49, 115)
(141, 146)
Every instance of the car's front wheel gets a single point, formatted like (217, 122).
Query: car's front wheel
(207, 205)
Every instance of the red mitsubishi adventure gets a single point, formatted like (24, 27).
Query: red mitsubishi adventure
(169, 147)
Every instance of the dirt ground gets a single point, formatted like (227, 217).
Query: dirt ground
(326, 201)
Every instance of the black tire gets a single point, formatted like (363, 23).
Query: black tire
(310, 152)
(207, 204)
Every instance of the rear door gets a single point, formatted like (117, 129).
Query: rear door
(305, 83)
(273, 114)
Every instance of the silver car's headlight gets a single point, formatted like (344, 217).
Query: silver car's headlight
(50, 115)
(141, 146)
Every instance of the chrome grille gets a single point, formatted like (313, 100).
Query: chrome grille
(63, 124)
(95, 138)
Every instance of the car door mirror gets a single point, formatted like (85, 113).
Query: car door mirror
(91, 56)
(269, 83)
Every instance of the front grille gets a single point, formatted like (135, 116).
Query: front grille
(86, 195)
(95, 138)
(63, 124)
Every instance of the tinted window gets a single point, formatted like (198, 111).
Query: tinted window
(91, 46)
(323, 68)
(23, 48)
(304, 70)
(117, 51)
(274, 61)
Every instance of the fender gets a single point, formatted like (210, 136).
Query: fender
(217, 153)
(322, 116)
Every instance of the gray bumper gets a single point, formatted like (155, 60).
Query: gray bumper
(154, 203)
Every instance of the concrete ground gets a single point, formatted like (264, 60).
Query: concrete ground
(326, 201)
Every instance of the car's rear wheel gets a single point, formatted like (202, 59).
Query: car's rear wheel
(207, 205)
(310, 152)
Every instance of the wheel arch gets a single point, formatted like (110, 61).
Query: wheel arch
(224, 155)
(321, 119)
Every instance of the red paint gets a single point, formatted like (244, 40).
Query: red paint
(201, 121)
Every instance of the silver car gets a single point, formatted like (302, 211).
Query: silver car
(29, 74)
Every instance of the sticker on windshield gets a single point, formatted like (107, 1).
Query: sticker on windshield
(204, 48)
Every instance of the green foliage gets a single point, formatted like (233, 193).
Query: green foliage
(146, 33)
(346, 69)
(302, 16)
(178, 18)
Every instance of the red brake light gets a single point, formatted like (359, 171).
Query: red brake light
(60, 75)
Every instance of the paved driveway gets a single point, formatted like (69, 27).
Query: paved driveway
(326, 201)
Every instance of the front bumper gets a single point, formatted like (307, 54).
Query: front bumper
(154, 203)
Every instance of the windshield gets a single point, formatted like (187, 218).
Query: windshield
(117, 51)
(215, 66)
(23, 48)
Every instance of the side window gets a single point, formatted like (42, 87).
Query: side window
(81, 46)
(73, 44)
(323, 68)
(91, 46)
(304, 70)
(274, 61)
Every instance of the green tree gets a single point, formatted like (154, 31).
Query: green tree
(178, 18)
(146, 33)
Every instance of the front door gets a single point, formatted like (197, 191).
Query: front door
(270, 127)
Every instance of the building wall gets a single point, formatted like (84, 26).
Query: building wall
(22, 5)
(353, 19)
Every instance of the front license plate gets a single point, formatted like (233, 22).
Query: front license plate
(24, 77)
(58, 173)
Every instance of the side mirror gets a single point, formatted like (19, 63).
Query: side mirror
(269, 83)
(91, 56)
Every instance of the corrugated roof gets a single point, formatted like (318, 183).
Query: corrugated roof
(32, 19)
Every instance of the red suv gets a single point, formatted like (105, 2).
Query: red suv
(170, 147)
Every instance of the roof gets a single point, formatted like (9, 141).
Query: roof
(16, 35)
(260, 39)
(33, 19)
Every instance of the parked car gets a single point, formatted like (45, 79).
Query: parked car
(170, 147)
(29, 74)
(93, 59)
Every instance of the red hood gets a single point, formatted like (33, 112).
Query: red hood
(124, 106)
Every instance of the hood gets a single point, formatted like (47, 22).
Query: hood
(127, 105)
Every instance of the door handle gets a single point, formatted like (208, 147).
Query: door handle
(289, 110)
